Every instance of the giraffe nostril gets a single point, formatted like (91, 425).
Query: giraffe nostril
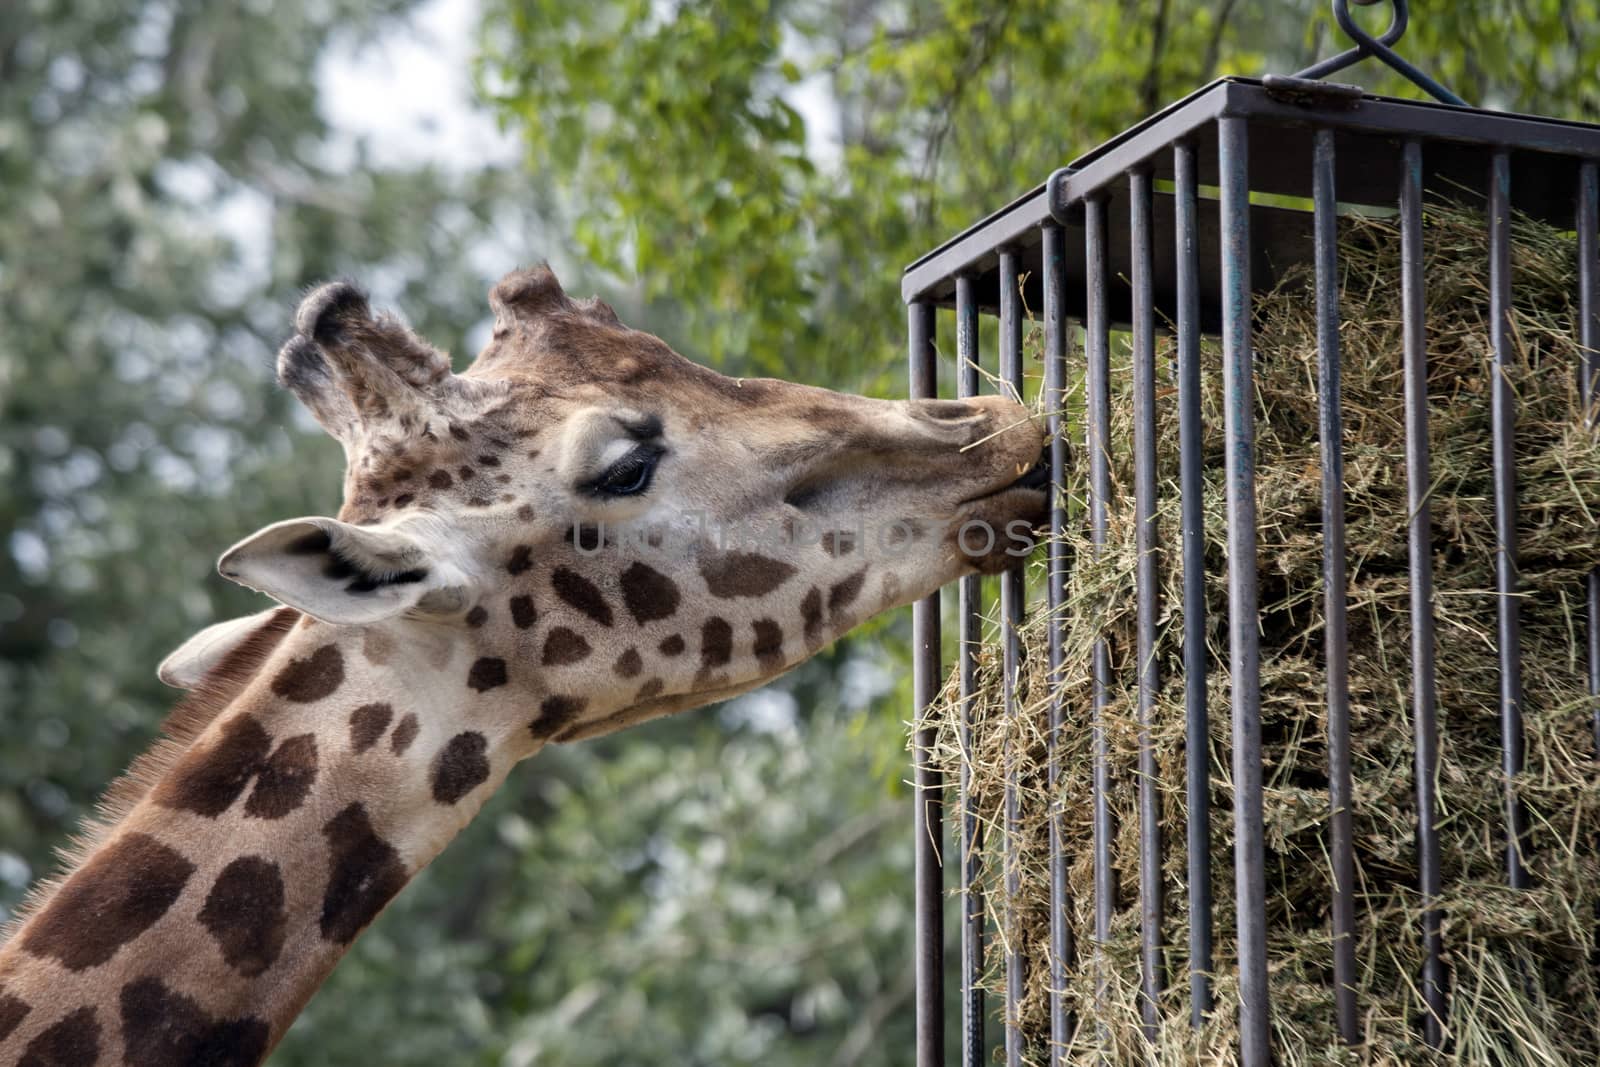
(810, 496)
(946, 410)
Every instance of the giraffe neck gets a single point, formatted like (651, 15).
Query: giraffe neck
(197, 927)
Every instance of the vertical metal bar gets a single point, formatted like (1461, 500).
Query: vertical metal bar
(1244, 638)
(1335, 628)
(1588, 221)
(1197, 727)
(1503, 418)
(1055, 369)
(1012, 595)
(928, 807)
(1097, 328)
(1147, 594)
(1589, 337)
(971, 612)
(1424, 691)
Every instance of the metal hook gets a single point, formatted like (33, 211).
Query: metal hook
(1352, 56)
(1368, 45)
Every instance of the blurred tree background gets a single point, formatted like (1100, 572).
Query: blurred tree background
(746, 179)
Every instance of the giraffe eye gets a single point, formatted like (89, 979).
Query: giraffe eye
(630, 475)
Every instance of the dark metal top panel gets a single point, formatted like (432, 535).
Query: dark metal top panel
(1369, 130)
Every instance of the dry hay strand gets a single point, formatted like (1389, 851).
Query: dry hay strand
(1521, 964)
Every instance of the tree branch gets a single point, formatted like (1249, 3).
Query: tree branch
(1214, 46)
(1150, 85)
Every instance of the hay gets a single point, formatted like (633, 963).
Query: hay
(1524, 987)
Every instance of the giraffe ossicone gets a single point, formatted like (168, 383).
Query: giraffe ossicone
(580, 532)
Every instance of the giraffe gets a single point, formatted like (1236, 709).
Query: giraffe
(534, 551)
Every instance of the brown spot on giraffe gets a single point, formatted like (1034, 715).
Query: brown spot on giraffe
(563, 646)
(367, 724)
(768, 643)
(162, 1028)
(649, 690)
(672, 646)
(311, 678)
(207, 781)
(460, 767)
(364, 874)
(629, 664)
(730, 575)
(556, 713)
(72, 1041)
(285, 778)
(441, 479)
(126, 887)
(477, 616)
(522, 612)
(842, 594)
(582, 594)
(487, 672)
(404, 733)
(12, 1011)
(648, 594)
(716, 643)
(521, 559)
(811, 615)
(376, 646)
(244, 913)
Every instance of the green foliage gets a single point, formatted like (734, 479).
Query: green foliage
(1534, 56)
(167, 196)
(678, 143)
(164, 171)
(673, 133)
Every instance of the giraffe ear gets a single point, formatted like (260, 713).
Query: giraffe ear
(197, 657)
(344, 574)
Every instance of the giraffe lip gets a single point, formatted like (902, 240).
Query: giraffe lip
(1036, 477)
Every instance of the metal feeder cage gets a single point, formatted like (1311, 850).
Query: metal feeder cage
(1172, 205)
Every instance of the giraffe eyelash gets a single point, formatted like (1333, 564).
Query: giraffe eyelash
(629, 476)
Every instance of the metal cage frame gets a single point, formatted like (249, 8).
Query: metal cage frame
(1188, 181)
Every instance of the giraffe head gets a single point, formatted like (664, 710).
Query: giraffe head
(612, 531)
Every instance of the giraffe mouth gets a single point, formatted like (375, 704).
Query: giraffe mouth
(1036, 478)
